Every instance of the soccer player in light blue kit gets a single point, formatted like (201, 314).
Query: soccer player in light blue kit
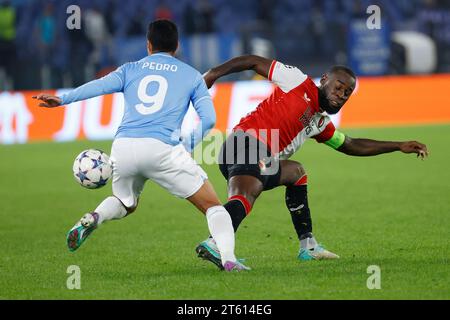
(157, 91)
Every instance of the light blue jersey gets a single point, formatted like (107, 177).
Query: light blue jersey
(157, 91)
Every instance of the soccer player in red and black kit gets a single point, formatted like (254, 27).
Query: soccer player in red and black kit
(254, 158)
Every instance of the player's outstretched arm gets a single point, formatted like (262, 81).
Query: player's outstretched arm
(113, 82)
(248, 62)
(368, 147)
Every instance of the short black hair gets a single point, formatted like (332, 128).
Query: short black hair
(340, 68)
(163, 35)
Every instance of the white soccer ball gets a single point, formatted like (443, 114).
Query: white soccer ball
(92, 168)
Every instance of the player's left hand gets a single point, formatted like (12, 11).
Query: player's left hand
(48, 100)
(414, 147)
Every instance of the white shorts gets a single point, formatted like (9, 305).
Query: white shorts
(135, 160)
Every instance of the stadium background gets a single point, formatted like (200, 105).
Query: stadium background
(389, 210)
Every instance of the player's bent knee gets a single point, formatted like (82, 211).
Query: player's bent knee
(249, 194)
(293, 173)
(130, 206)
(248, 187)
(300, 170)
(301, 177)
(130, 210)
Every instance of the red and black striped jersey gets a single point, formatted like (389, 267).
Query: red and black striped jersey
(290, 115)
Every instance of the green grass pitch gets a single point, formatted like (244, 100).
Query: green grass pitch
(391, 211)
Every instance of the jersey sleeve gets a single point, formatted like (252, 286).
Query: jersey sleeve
(112, 82)
(200, 91)
(326, 134)
(286, 77)
(203, 105)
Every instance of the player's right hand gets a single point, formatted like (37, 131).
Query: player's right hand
(209, 78)
(48, 100)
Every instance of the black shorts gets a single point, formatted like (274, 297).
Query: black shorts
(243, 154)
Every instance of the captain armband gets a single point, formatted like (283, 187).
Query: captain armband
(336, 140)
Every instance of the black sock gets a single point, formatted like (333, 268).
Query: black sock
(297, 203)
(237, 212)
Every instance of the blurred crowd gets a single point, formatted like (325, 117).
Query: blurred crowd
(37, 50)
